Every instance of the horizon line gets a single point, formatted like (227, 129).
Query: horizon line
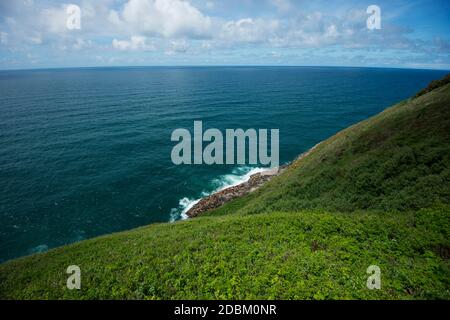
(222, 66)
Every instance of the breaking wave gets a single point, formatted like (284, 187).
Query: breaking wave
(237, 176)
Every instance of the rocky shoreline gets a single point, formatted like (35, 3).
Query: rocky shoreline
(219, 198)
(255, 181)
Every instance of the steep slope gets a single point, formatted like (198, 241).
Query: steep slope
(301, 255)
(397, 160)
(380, 196)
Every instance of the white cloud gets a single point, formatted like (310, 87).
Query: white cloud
(28, 24)
(54, 19)
(166, 18)
(180, 26)
(3, 38)
(249, 30)
(81, 44)
(135, 43)
(178, 46)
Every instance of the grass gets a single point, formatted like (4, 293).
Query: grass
(398, 160)
(300, 255)
(376, 193)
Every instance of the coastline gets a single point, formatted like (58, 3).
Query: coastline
(254, 182)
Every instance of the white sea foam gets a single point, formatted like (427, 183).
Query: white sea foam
(237, 176)
(179, 213)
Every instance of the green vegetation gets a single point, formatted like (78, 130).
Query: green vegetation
(398, 160)
(434, 85)
(377, 193)
(307, 255)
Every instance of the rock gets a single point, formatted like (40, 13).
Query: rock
(219, 198)
(256, 181)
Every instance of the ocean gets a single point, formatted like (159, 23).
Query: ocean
(86, 152)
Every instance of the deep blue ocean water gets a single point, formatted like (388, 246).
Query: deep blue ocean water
(86, 152)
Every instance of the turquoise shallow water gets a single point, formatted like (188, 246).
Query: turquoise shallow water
(86, 152)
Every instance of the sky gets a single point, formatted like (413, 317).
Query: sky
(46, 33)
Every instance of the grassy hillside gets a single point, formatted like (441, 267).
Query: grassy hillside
(376, 193)
(306, 255)
(398, 160)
